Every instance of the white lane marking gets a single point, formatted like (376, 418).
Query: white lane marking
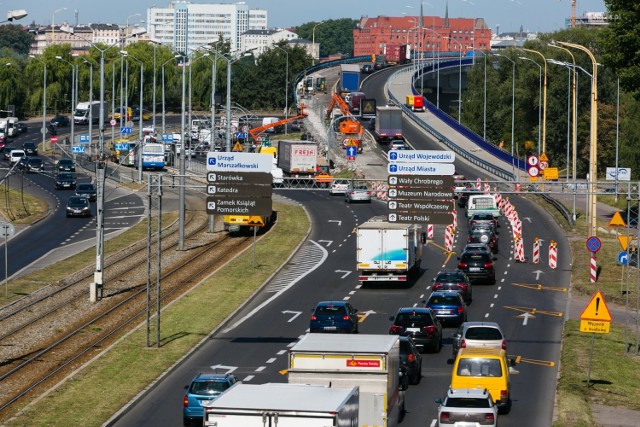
(495, 296)
(277, 294)
(281, 352)
(248, 378)
(295, 314)
(433, 423)
(273, 359)
(352, 292)
(359, 286)
(345, 273)
(491, 305)
(486, 315)
(499, 288)
(346, 298)
(260, 368)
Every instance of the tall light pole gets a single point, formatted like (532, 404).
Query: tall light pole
(524, 58)
(90, 99)
(44, 101)
(544, 101)
(163, 104)
(513, 99)
(593, 147)
(53, 25)
(574, 102)
(73, 78)
(459, 76)
(126, 28)
(286, 89)
(568, 67)
(313, 42)
(140, 141)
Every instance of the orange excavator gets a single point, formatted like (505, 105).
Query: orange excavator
(255, 132)
(348, 125)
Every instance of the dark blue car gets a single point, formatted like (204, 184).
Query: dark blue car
(449, 307)
(334, 316)
(204, 388)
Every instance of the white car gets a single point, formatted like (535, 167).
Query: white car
(339, 186)
(469, 407)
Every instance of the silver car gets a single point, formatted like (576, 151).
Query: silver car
(357, 193)
(478, 334)
(467, 407)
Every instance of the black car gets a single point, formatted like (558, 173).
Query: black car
(334, 316)
(88, 190)
(22, 127)
(60, 121)
(65, 181)
(478, 266)
(483, 218)
(366, 69)
(6, 150)
(22, 163)
(378, 65)
(455, 281)
(78, 206)
(35, 164)
(30, 148)
(484, 233)
(421, 325)
(66, 165)
(411, 359)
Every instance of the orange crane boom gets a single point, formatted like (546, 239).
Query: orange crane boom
(255, 132)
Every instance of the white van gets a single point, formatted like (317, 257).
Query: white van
(270, 120)
(12, 128)
(15, 155)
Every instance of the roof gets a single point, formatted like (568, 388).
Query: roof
(375, 224)
(284, 397)
(345, 343)
(480, 352)
(468, 392)
(474, 324)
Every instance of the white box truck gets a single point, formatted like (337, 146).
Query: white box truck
(388, 251)
(12, 126)
(370, 362)
(482, 204)
(298, 158)
(84, 110)
(284, 405)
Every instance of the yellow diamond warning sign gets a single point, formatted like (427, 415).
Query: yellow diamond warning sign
(617, 221)
(595, 317)
(624, 242)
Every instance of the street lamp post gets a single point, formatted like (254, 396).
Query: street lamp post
(438, 71)
(44, 102)
(140, 142)
(163, 104)
(544, 101)
(73, 78)
(286, 89)
(524, 58)
(313, 42)
(513, 99)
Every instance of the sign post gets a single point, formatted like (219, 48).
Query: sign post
(7, 230)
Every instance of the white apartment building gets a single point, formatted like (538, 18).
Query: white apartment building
(186, 26)
(81, 39)
(261, 40)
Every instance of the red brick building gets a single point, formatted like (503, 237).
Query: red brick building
(432, 35)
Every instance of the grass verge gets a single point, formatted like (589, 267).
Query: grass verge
(88, 397)
(20, 207)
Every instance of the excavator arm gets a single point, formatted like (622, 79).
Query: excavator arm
(255, 132)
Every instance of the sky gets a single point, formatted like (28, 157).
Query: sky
(509, 15)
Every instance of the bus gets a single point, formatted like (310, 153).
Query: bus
(122, 151)
(152, 156)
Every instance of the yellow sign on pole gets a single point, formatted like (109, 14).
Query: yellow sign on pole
(596, 317)
(543, 157)
(624, 242)
(617, 221)
(550, 174)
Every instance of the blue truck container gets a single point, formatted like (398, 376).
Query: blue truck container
(349, 78)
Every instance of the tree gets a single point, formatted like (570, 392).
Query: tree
(334, 35)
(621, 42)
(15, 38)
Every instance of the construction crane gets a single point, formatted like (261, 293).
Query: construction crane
(255, 132)
(573, 13)
(349, 125)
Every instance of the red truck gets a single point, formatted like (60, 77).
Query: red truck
(395, 54)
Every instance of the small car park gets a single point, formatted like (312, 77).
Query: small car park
(454, 281)
(60, 121)
(30, 148)
(478, 334)
(478, 266)
(467, 406)
(65, 181)
(411, 359)
(78, 206)
(357, 193)
(203, 389)
(448, 307)
(88, 190)
(66, 165)
(421, 325)
(334, 316)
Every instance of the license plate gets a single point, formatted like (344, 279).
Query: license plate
(444, 311)
(329, 328)
(474, 268)
(413, 329)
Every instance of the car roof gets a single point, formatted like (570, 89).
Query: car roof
(483, 324)
(336, 303)
(472, 352)
(212, 377)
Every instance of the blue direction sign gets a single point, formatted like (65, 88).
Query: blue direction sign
(122, 146)
(242, 135)
(126, 131)
(593, 244)
(167, 137)
(352, 152)
(84, 138)
(78, 149)
(623, 258)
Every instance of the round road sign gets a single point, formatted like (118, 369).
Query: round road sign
(113, 122)
(533, 171)
(544, 165)
(532, 160)
(593, 244)
(623, 258)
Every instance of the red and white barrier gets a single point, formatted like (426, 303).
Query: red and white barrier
(553, 255)
(430, 231)
(487, 188)
(478, 184)
(455, 219)
(520, 250)
(536, 251)
(593, 271)
(448, 238)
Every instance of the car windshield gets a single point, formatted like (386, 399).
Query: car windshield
(482, 333)
(475, 257)
(413, 318)
(444, 300)
(330, 310)
(77, 201)
(85, 187)
(65, 176)
(480, 368)
(449, 277)
(35, 161)
(208, 387)
(467, 402)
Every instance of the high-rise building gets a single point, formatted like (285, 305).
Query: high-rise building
(186, 26)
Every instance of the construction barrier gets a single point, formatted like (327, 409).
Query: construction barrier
(536, 250)
(487, 188)
(430, 231)
(553, 255)
(478, 184)
(593, 271)
(448, 238)
(520, 250)
(455, 219)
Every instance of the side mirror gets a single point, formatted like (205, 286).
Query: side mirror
(438, 401)
(392, 318)
(186, 387)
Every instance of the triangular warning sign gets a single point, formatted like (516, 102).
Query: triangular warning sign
(596, 309)
(544, 158)
(624, 242)
(237, 147)
(617, 220)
